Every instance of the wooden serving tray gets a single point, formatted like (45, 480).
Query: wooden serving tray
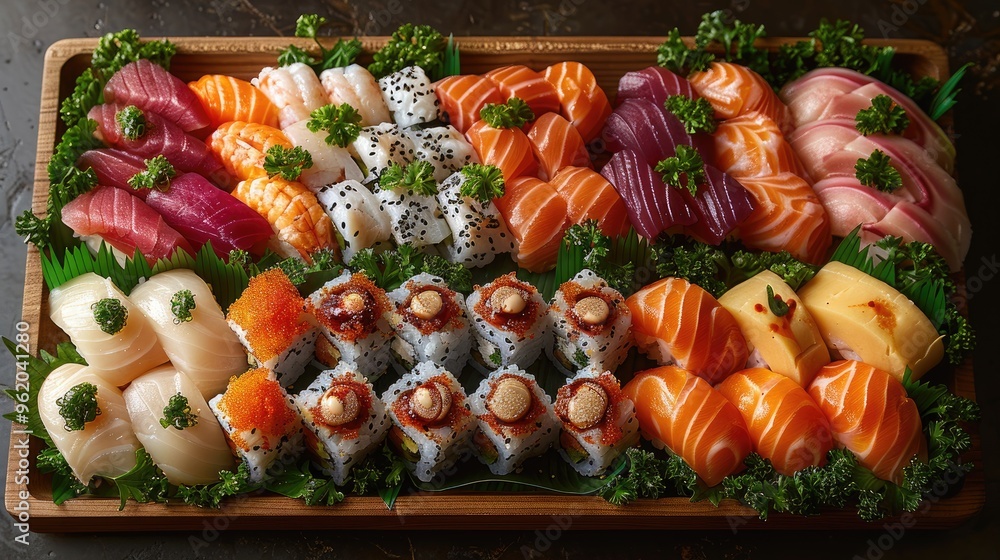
(608, 58)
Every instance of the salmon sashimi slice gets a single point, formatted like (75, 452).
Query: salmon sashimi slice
(125, 222)
(226, 99)
(675, 321)
(582, 100)
(296, 217)
(462, 97)
(537, 216)
(735, 90)
(507, 148)
(556, 144)
(871, 415)
(149, 87)
(589, 196)
(242, 147)
(786, 426)
(751, 145)
(789, 216)
(527, 85)
(680, 410)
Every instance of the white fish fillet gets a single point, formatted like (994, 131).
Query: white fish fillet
(331, 163)
(356, 86)
(294, 89)
(356, 214)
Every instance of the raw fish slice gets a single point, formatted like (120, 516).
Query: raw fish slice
(912, 223)
(478, 230)
(788, 216)
(294, 90)
(507, 148)
(683, 412)
(331, 163)
(643, 127)
(105, 447)
(194, 455)
(149, 87)
(162, 137)
(226, 99)
(871, 415)
(751, 145)
(527, 85)
(202, 213)
(675, 321)
(444, 147)
(721, 205)
(654, 84)
(378, 147)
(808, 96)
(652, 207)
(409, 95)
(114, 168)
(556, 145)
(735, 90)
(125, 222)
(301, 225)
(589, 196)
(356, 86)
(242, 147)
(357, 215)
(416, 218)
(786, 425)
(462, 97)
(537, 216)
(583, 101)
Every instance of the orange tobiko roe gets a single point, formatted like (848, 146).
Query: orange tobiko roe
(256, 400)
(269, 311)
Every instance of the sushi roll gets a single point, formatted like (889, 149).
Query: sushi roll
(331, 163)
(343, 418)
(444, 147)
(598, 422)
(192, 328)
(432, 424)
(409, 95)
(109, 331)
(516, 419)
(378, 147)
(352, 312)
(478, 231)
(511, 323)
(175, 426)
(591, 325)
(356, 86)
(294, 89)
(261, 423)
(270, 320)
(356, 214)
(417, 218)
(431, 324)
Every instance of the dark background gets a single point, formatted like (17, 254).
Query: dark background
(969, 30)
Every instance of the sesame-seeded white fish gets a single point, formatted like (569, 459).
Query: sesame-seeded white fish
(409, 95)
(478, 231)
(378, 147)
(357, 214)
(444, 147)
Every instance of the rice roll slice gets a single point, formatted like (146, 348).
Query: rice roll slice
(516, 420)
(478, 231)
(352, 313)
(591, 325)
(409, 95)
(378, 147)
(101, 445)
(176, 427)
(416, 218)
(444, 147)
(598, 421)
(431, 324)
(510, 321)
(270, 321)
(109, 331)
(343, 418)
(356, 86)
(356, 214)
(191, 328)
(432, 424)
(260, 420)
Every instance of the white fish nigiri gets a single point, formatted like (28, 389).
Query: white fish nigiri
(409, 94)
(204, 348)
(356, 86)
(295, 91)
(478, 231)
(444, 147)
(331, 163)
(193, 454)
(357, 215)
(378, 147)
(104, 447)
(417, 218)
(119, 357)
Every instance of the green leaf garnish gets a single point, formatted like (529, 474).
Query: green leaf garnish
(178, 413)
(411, 45)
(697, 115)
(417, 177)
(482, 182)
(777, 305)
(115, 50)
(181, 304)
(32, 228)
(495, 357)
(26, 410)
(88, 92)
(676, 56)
(132, 122)
(110, 315)
(298, 481)
(78, 406)
(287, 163)
(157, 175)
(512, 114)
(65, 485)
(211, 495)
(342, 123)
(595, 250)
(947, 94)
(685, 170)
(145, 482)
(343, 53)
(883, 117)
(390, 268)
(877, 172)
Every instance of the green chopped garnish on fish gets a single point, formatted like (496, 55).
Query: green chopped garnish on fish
(78, 406)
(685, 170)
(482, 182)
(342, 123)
(181, 305)
(157, 175)
(288, 163)
(883, 117)
(877, 172)
(512, 114)
(110, 315)
(697, 115)
(178, 413)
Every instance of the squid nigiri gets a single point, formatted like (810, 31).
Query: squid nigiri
(298, 219)
(226, 99)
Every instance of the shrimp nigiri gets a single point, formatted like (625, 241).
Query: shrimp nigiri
(242, 147)
(295, 91)
(298, 219)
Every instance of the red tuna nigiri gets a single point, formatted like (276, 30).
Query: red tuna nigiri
(242, 147)
(527, 85)
(721, 205)
(735, 90)
(536, 215)
(788, 217)
(149, 87)
(583, 101)
(786, 425)
(556, 144)
(124, 222)
(675, 321)
(649, 130)
(589, 196)
(652, 207)
(114, 168)
(871, 415)
(462, 97)
(507, 148)
(751, 145)
(226, 99)
(654, 84)
(683, 412)
(296, 217)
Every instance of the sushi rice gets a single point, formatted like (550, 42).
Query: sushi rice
(448, 346)
(501, 346)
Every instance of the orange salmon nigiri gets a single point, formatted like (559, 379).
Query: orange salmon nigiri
(680, 410)
(583, 101)
(556, 144)
(242, 147)
(295, 215)
(871, 415)
(589, 196)
(751, 145)
(506, 148)
(675, 321)
(526, 84)
(735, 90)
(536, 215)
(227, 99)
(786, 425)
(789, 216)
(462, 97)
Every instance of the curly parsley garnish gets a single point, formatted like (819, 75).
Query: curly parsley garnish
(342, 123)
(512, 114)
(685, 170)
(877, 172)
(417, 177)
(132, 122)
(181, 305)
(287, 163)
(178, 413)
(697, 115)
(157, 175)
(883, 117)
(482, 182)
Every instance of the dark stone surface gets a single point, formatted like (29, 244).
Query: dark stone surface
(970, 31)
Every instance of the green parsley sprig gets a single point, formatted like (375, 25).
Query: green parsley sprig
(177, 413)
(342, 123)
(882, 117)
(697, 115)
(482, 182)
(157, 175)
(288, 163)
(78, 406)
(343, 53)
(417, 177)
(877, 172)
(512, 114)
(685, 170)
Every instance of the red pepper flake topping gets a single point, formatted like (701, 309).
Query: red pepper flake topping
(884, 314)
(352, 309)
(270, 312)
(255, 401)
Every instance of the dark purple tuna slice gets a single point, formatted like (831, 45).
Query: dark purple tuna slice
(721, 205)
(653, 84)
(652, 206)
(641, 126)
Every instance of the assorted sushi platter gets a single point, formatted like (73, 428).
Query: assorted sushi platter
(411, 280)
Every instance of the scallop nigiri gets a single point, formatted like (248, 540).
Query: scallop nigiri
(147, 85)
(295, 91)
(462, 97)
(524, 83)
(296, 217)
(537, 216)
(589, 196)
(583, 101)
(226, 99)
(242, 147)
(556, 144)
(680, 410)
(735, 90)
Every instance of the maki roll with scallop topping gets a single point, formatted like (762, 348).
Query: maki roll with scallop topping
(598, 422)
(431, 324)
(591, 325)
(511, 323)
